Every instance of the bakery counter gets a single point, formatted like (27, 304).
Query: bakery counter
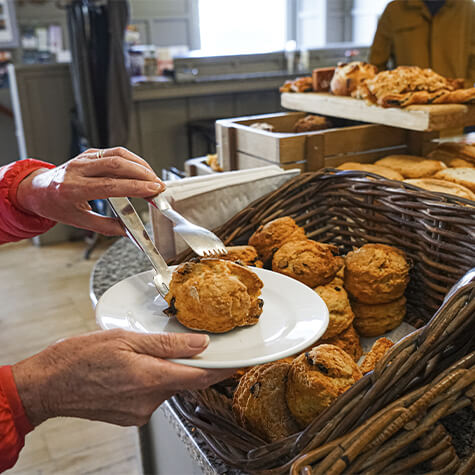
(168, 443)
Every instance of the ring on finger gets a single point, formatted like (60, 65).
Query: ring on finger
(100, 153)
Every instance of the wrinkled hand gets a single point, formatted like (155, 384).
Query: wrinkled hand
(112, 376)
(62, 193)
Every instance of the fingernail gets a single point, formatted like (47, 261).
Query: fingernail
(196, 341)
(154, 187)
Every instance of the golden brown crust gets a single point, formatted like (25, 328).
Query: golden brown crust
(378, 350)
(375, 320)
(348, 77)
(311, 123)
(246, 255)
(310, 262)
(338, 304)
(269, 237)
(462, 176)
(303, 84)
(316, 379)
(376, 273)
(259, 403)
(387, 172)
(349, 341)
(461, 150)
(411, 166)
(442, 186)
(214, 295)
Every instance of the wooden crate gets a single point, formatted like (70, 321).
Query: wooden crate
(240, 146)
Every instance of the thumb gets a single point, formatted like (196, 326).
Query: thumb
(169, 345)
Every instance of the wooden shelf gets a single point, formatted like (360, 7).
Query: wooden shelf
(418, 117)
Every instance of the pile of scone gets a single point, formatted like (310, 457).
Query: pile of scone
(450, 168)
(364, 293)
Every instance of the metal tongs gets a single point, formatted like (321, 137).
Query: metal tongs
(202, 241)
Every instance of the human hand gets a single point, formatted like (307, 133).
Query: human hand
(112, 376)
(62, 193)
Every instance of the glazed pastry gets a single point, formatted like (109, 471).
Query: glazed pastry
(311, 123)
(269, 237)
(410, 166)
(349, 341)
(462, 176)
(376, 273)
(246, 255)
(341, 315)
(316, 379)
(377, 319)
(378, 350)
(259, 403)
(310, 262)
(442, 186)
(388, 173)
(349, 76)
(214, 295)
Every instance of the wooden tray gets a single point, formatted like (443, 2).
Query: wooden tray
(421, 117)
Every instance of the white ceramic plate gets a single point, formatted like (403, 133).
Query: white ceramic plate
(293, 318)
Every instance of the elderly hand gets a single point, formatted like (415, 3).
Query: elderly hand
(113, 376)
(62, 193)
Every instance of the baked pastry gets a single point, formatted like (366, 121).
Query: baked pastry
(442, 186)
(311, 123)
(259, 403)
(410, 166)
(246, 255)
(213, 162)
(348, 77)
(377, 319)
(387, 172)
(303, 84)
(348, 340)
(316, 379)
(338, 304)
(321, 79)
(376, 273)
(214, 295)
(269, 237)
(263, 126)
(462, 176)
(310, 262)
(378, 350)
(461, 150)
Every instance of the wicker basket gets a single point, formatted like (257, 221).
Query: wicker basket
(388, 420)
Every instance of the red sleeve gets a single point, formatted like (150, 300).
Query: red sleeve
(14, 424)
(16, 224)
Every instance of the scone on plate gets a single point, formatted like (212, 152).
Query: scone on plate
(411, 166)
(269, 237)
(259, 403)
(377, 319)
(442, 186)
(376, 273)
(246, 255)
(339, 308)
(214, 295)
(462, 176)
(388, 173)
(316, 379)
(348, 340)
(378, 350)
(310, 262)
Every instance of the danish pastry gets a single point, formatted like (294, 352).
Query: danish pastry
(349, 76)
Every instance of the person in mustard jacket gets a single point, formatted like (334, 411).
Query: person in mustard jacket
(430, 34)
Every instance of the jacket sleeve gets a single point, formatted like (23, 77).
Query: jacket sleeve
(381, 48)
(15, 223)
(14, 424)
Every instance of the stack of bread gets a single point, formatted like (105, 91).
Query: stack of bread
(364, 293)
(450, 168)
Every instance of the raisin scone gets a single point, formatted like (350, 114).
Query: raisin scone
(376, 273)
(214, 295)
(312, 263)
(316, 379)
(246, 255)
(259, 403)
(269, 237)
(377, 319)
(348, 340)
(411, 166)
(378, 350)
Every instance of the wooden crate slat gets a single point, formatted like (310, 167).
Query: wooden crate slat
(249, 161)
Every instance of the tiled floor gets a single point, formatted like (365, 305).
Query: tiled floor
(44, 296)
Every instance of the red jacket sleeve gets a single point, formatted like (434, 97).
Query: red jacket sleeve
(14, 424)
(16, 224)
